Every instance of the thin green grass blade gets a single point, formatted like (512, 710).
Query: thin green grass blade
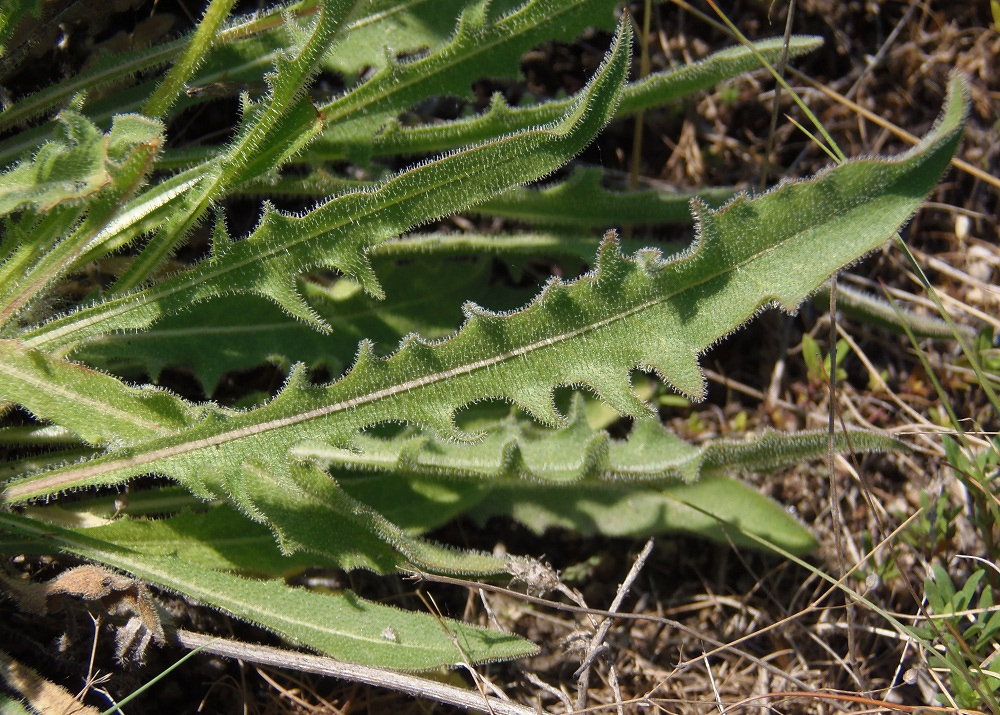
(867, 308)
(159, 676)
(193, 55)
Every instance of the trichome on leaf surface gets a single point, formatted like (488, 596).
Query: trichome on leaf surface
(311, 477)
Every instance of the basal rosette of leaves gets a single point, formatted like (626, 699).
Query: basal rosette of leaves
(297, 480)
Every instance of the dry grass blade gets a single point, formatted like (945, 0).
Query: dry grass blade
(303, 662)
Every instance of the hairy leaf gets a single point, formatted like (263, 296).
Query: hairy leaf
(48, 249)
(239, 332)
(437, 406)
(368, 139)
(234, 58)
(422, 482)
(642, 311)
(519, 450)
(75, 165)
(264, 141)
(341, 625)
(581, 201)
(653, 90)
(339, 232)
(483, 44)
(99, 408)
(308, 510)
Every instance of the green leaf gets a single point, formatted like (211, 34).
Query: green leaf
(581, 201)
(573, 250)
(308, 510)
(10, 706)
(170, 89)
(658, 87)
(215, 537)
(520, 470)
(338, 233)
(11, 15)
(234, 58)
(379, 28)
(370, 138)
(483, 44)
(47, 249)
(873, 310)
(239, 332)
(67, 169)
(716, 507)
(341, 625)
(265, 140)
(653, 90)
(97, 407)
(415, 503)
(642, 311)
(518, 449)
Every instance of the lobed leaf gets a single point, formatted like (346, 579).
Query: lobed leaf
(483, 44)
(519, 470)
(515, 450)
(582, 202)
(271, 130)
(73, 166)
(654, 90)
(44, 250)
(390, 137)
(238, 332)
(339, 232)
(630, 312)
(308, 510)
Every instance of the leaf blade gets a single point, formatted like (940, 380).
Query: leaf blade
(630, 312)
(341, 625)
(337, 233)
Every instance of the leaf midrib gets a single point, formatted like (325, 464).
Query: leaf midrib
(128, 302)
(477, 50)
(64, 480)
(51, 386)
(151, 568)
